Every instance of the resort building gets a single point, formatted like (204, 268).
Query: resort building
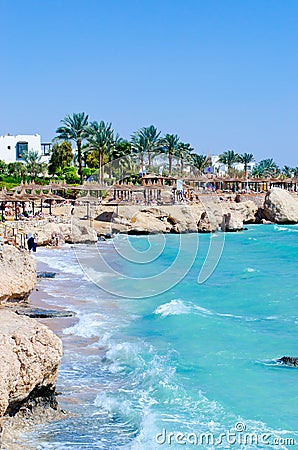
(13, 148)
(222, 169)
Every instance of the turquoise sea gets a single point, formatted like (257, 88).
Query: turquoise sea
(190, 364)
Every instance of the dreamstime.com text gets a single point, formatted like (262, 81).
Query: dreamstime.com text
(234, 436)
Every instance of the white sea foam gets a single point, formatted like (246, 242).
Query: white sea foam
(177, 307)
(89, 325)
(174, 307)
(290, 229)
(61, 264)
(112, 405)
(279, 228)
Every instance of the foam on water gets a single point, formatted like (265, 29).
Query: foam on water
(194, 359)
(180, 307)
(290, 228)
(174, 307)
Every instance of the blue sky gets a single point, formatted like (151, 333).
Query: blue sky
(222, 74)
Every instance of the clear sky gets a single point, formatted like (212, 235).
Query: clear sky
(222, 74)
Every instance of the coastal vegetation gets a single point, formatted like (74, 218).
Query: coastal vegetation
(83, 149)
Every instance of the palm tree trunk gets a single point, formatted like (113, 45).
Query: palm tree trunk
(170, 163)
(142, 162)
(149, 160)
(101, 168)
(182, 166)
(79, 144)
(110, 169)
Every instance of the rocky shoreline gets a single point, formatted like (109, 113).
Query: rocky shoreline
(30, 351)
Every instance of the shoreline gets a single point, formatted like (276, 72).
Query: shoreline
(71, 343)
(171, 219)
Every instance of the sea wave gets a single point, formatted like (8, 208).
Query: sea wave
(290, 228)
(150, 389)
(174, 307)
(178, 307)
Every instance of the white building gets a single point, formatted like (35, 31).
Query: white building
(13, 148)
(222, 169)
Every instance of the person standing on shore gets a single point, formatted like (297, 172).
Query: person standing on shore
(31, 242)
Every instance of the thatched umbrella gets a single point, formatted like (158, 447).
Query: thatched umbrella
(92, 187)
(5, 197)
(88, 199)
(50, 196)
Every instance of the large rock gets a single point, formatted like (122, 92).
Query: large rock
(280, 206)
(204, 217)
(232, 221)
(78, 231)
(207, 223)
(18, 273)
(247, 210)
(30, 354)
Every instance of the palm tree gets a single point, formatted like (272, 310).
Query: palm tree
(228, 158)
(32, 161)
(3, 167)
(266, 168)
(120, 150)
(100, 138)
(245, 159)
(288, 171)
(200, 162)
(74, 129)
(152, 141)
(139, 146)
(184, 154)
(16, 169)
(170, 146)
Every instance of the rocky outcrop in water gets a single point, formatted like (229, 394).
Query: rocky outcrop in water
(203, 218)
(74, 231)
(232, 221)
(289, 361)
(30, 354)
(280, 206)
(18, 273)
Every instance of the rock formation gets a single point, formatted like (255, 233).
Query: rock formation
(18, 273)
(30, 354)
(289, 361)
(202, 218)
(75, 231)
(280, 206)
(232, 221)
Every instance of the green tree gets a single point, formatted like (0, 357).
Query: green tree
(32, 162)
(3, 167)
(100, 138)
(139, 146)
(245, 159)
(152, 142)
(200, 162)
(288, 171)
(120, 150)
(74, 129)
(184, 154)
(266, 168)
(61, 156)
(16, 169)
(171, 144)
(228, 158)
(71, 175)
